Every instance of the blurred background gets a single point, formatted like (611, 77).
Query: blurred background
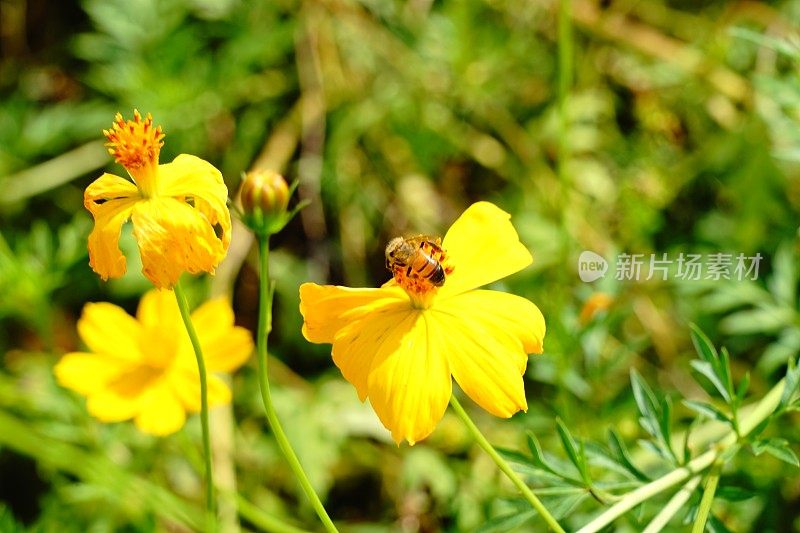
(614, 126)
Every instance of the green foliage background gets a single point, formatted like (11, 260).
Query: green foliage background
(667, 127)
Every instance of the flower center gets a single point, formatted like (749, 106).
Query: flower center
(159, 348)
(135, 144)
(419, 265)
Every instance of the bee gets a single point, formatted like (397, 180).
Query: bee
(417, 261)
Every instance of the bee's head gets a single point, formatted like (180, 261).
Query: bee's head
(398, 251)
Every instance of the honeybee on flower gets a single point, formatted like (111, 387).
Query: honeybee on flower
(400, 344)
(417, 259)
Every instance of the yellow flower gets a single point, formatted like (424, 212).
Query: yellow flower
(144, 368)
(180, 218)
(400, 344)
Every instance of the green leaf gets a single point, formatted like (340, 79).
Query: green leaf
(707, 410)
(783, 46)
(715, 525)
(656, 414)
(741, 390)
(540, 471)
(645, 399)
(618, 448)
(778, 448)
(507, 522)
(765, 319)
(792, 382)
(702, 345)
(598, 455)
(783, 282)
(656, 449)
(576, 456)
(728, 297)
(779, 352)
(538, 455)
(724, 370)
(687, 454)
(564, 506)
(734, 494)
(705, 368)
(665, 422)
(730, 452)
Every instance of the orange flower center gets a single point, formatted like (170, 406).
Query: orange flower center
(135, 144)
(420, 266)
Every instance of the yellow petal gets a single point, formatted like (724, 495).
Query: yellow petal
(106, 188)
(108, 406)
(161, 411)
(87, 373)
(508, 316)
(326, 309)
(173, 238)
(486, 346)
(357, 344)
(189, 176)
(123, 396)
(107, 329)
(185, 385)
(226, 347)
(110, 199)
(409, 381)
(483, 247)
(105, 257)
(355, 321)
(158, 309)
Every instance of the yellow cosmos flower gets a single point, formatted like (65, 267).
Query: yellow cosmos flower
(180, 218)
(400, 344)
(144, 368)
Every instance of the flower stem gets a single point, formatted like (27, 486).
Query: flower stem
(705, 503)
(504, 466)
(758, 414)
(183, 305)
(264, 328)
(674, 505)
(645, 492)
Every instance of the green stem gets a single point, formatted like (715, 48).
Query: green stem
(674, 505)
(183, 305)
(755, 416)
(705, 503)
(504, 466)
(264, 328)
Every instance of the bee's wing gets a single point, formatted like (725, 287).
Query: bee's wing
(421, 239)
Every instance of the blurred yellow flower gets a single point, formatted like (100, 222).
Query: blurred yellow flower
(180, 218)
(144, 368)
(400, 344)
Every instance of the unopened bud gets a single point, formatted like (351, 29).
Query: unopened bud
(264, 197)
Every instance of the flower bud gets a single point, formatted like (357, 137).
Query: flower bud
(264, 197)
